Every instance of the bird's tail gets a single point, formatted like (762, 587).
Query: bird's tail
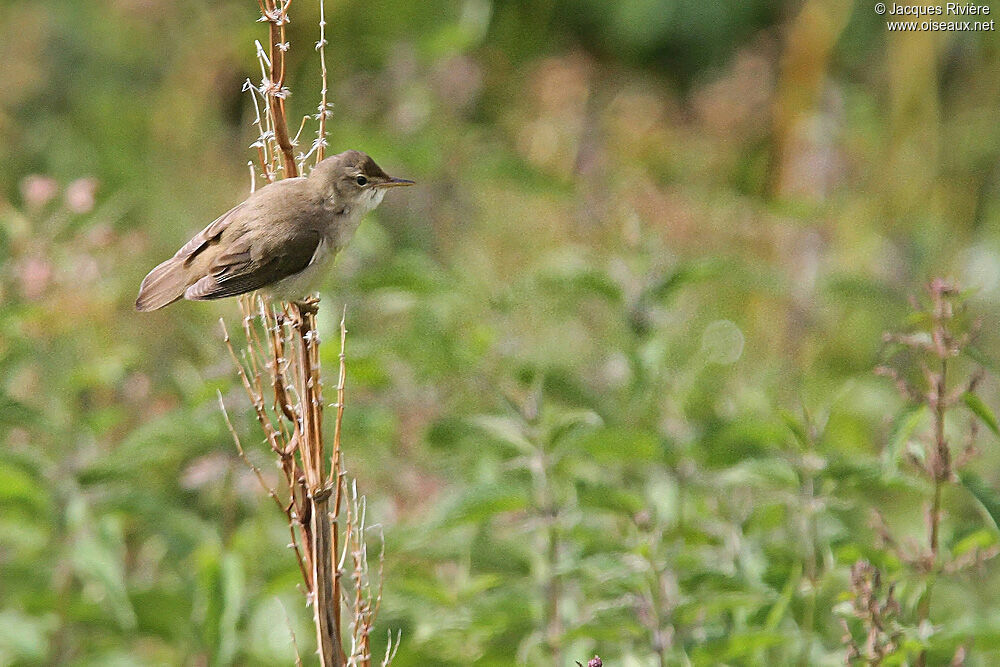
(162, 286)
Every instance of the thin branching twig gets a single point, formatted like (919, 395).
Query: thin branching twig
(279, 368)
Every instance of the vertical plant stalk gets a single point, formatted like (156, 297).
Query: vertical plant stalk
(809, 463)
(275, 13)
(279, 368)
(548, 513)
(293, 428)
(939, 465)
(808, 527)
(319, 534)
(930, 349)
(324, 103)
(553, 593)
(319, 489)
(941, 469)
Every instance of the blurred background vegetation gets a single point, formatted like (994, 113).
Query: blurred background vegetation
(610, 366)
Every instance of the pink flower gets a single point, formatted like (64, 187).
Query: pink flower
(80, 195)
(35, 274)
(38, 190)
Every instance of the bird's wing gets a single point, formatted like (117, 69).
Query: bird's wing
(167, 282)
(208, 236)
(246, 266)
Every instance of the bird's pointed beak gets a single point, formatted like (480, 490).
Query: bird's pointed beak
(395, 183)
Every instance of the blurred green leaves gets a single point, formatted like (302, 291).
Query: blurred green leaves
(609, 383)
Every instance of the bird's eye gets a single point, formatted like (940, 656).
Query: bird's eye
(361, 180)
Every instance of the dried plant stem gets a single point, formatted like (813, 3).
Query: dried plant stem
(325, 603)
(297, 439)
(282, 345)
(326, 593)
(323, 102)
(367, 597)
(277, 16)
(310, 393)
(335, 462)
(336, 477)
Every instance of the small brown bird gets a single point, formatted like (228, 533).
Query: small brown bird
(281, 239)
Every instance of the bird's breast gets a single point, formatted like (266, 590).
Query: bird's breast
(342, 220)
(343, 226)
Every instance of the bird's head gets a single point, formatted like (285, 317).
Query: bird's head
(353, 180)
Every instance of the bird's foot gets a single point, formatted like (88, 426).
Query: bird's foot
(310, 304)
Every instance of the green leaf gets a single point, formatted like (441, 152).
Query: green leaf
(233, 586)
(742, 439)
(979, 539)
(566, 423)
(504, 430)
(23, 638)
(797, 428)
(609, 497)
(14, 413)
(685, 274)
(987, 496)
(581, 280)
(19, 487)
(217, 586)
(483, 502)
(771, 472)
(619, 444)
(98, 557)
(780, 607)
(981, 410)
(981, 358)
(599, 283)
(903, 426)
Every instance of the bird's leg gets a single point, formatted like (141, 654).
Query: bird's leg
(310, 304)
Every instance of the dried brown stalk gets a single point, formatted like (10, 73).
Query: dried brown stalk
(324, 104)
(367, 596)
(275, 13)
(282, 344)
(279, 367)
(293, 428)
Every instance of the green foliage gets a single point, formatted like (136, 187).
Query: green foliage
(610, 380)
